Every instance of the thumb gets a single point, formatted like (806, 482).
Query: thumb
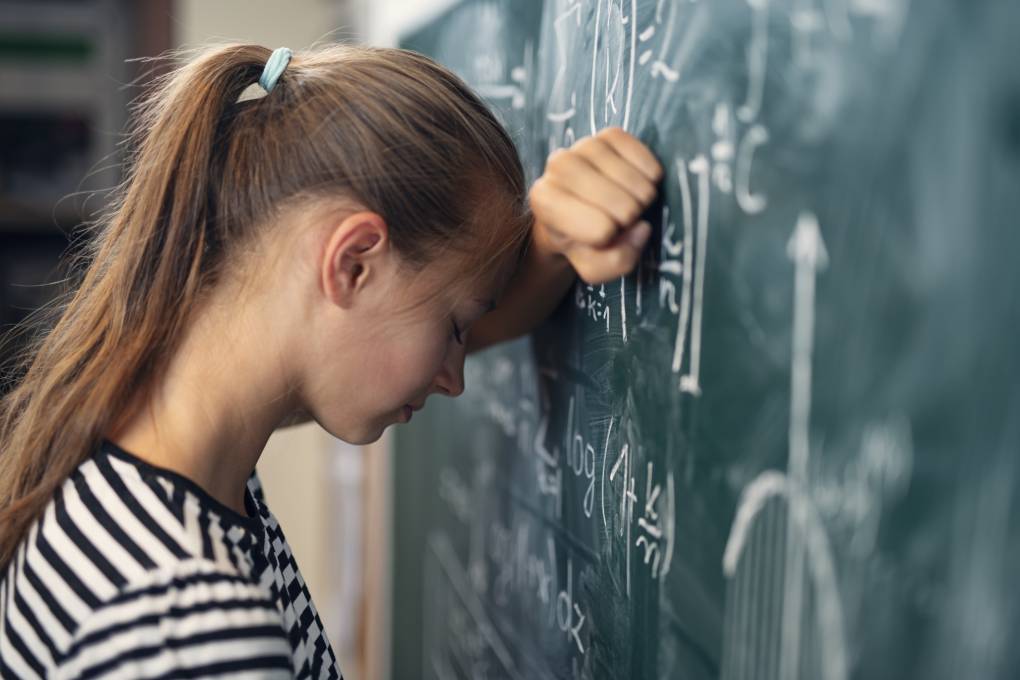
(639, 233)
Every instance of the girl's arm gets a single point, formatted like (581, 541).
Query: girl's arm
(536, 288)
(585, 207)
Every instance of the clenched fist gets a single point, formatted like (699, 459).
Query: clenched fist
(587, 203)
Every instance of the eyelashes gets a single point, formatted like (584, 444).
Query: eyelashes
(456, 333)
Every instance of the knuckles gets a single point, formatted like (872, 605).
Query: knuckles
(604, 230)
(588, 237)
(595, 267)
(613, 132)
(537, 195)
(631, 213)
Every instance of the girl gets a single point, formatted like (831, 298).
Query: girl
(326, 245)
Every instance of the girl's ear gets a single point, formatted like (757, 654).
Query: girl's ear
(354, 255)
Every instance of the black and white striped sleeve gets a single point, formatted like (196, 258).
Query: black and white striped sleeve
(193, 621)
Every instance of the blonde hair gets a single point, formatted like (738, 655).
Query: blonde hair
(389, 129)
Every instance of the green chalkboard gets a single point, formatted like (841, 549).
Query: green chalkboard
(787, 445)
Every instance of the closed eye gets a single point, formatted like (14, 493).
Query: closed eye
(456, 333)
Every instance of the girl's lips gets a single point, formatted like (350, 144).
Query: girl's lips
(407, 412)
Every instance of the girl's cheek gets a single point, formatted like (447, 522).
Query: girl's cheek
(428, 361)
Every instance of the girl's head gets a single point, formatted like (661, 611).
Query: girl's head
(373, 172)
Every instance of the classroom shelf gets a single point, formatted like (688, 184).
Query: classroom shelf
(65, 70)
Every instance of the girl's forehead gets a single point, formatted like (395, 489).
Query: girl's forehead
(467, 290)
(478, 269)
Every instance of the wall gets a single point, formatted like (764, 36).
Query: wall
(386, 20)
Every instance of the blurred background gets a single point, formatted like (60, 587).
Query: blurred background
(68, 70)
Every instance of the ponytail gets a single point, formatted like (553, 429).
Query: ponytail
(148, 261)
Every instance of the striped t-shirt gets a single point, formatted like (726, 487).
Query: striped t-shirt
(134, 571)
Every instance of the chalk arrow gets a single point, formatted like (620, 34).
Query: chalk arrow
(805, 245)
(807, 251)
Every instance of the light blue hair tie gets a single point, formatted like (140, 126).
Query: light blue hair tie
(275, 66)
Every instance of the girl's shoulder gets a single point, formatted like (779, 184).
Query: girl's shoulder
(126, 556)
(162, 517)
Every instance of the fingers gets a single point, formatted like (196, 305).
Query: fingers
(616, 259)
(570, 217)
(579, 175)
(596, 246)
(588, 199)
(612, 172)
(632, 150)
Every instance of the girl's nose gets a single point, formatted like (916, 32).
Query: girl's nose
(450, 379)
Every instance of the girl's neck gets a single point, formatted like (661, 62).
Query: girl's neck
(223, 395)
